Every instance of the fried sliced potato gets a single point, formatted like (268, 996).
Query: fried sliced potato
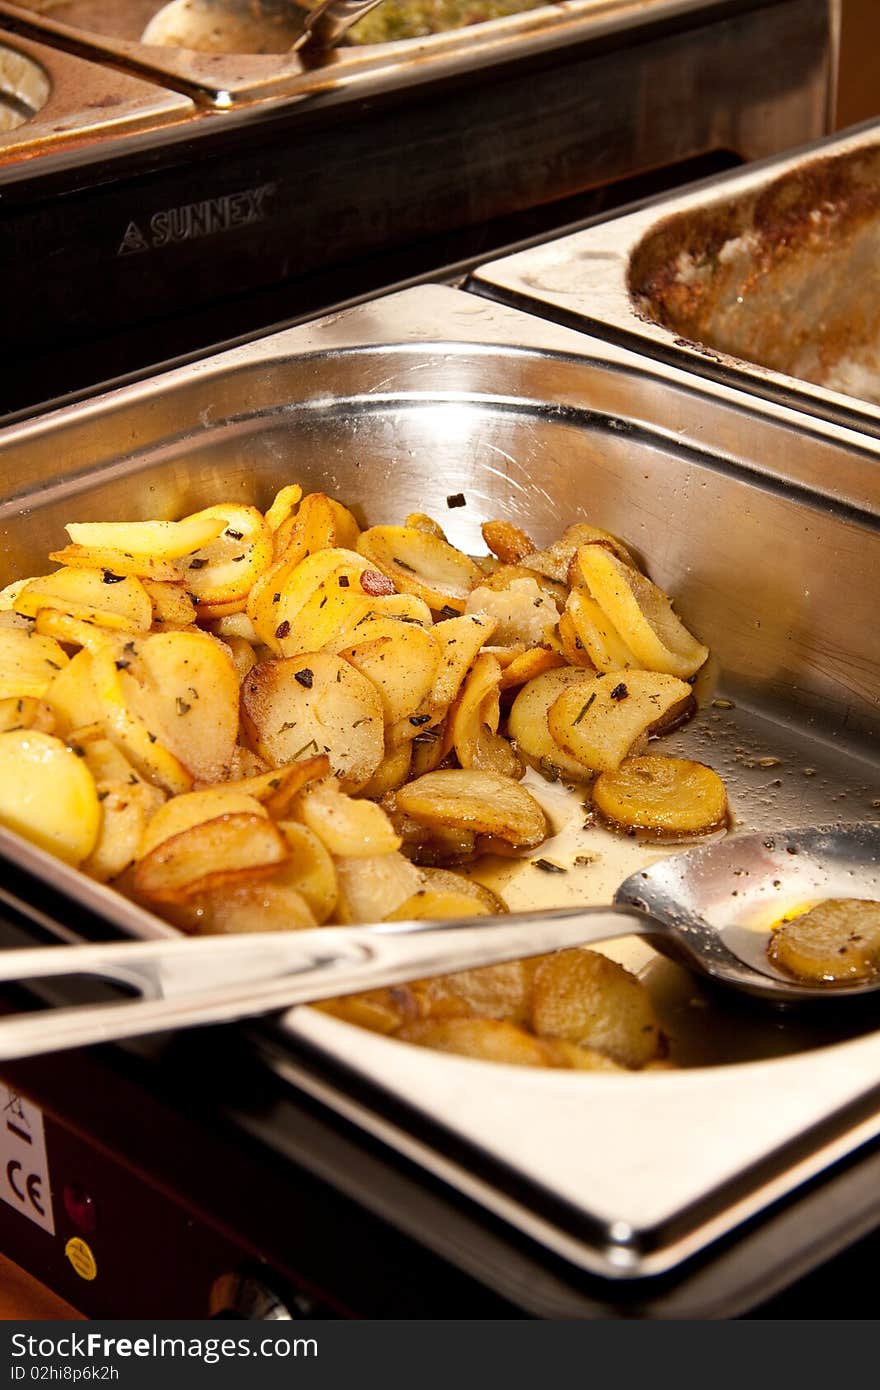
(666, 796)
(28, 662)
(492, 991)
(104, 760)
(401, 660)
(48, 795)
(486, 1039)
(419, 522)
(116, 562)
(475, 801)
(278, 597)
(475, 716)
(309, 869)
(278, 788)
(431, 745)
(835, 942)
(120, 604)
(430, 905)
(311, 704)
(555, 562)
(263, 904)
(598, 720)
(72, 696)
(173, 605)
(594, 634)
(139, 742)
(26, 712)
(284, 504)
(379, 1010)
(126, 807)
(346, 826)
(528, 664)
(507, 541)
(523, 615)
(371, 887)
(166, 540)
(229, 849)
(391, 773)
(194, 808)
(459, 641)
(587, 999)
(184, 688)
(445, 881)
(421, 563)
(222, 572)
(528, 727)
(641, 613)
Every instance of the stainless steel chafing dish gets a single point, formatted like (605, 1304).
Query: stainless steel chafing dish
(766, 278)
(764, 523)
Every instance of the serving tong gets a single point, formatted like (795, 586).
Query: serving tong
(709, 908)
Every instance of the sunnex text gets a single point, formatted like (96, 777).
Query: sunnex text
(207, 1349)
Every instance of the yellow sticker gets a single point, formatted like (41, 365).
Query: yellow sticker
(81, 1257)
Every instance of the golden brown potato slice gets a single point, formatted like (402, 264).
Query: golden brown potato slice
(123, 726)
(309, 869)
(507, 541)
(90, 595)
(194, 808)
(482, 803)
(278, 788)
(261, 905)
(173, 605)
(370, 888)
(667, 796)
(446, 881)
(379, 1010)
(523, 614)
(598, 721)
(72, 696)
(528, 727)
(118, 562)
(222, 572)
(555, 562)
(280, 595)
(492, 991)
(475, 716)
(526, 665)
(431, 905)
(126, 807)
(592, 1001)
(47, 794)
(167, 540)
(419, 522)
(421, 563)
(284, 504)
(391, 773)
(26, 712)
(836, 942)
(311, 704)
(28, 662)
(227, 850)
(355, 828)
(401, 660)
(641, 613)
(595, 634)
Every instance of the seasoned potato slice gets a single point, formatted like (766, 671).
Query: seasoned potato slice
(835, 942)
(555, 562)
(309, 869)
(528, 727)
(278, 788)
(506, 541)
(354, 828)
(526, 665)
(72, 696)
(28, 662)
(122, 604)
(47, 794)
(669, 796)
(445, 881)
(220, 574)
(421, 563)
(370, 888)
(475, 717)
(430, 905)
(167, 540)
(284, 504)
(115, 562)
(139, 742)
(595, 634)
(26, 712)
(173, 605)
(592, 1001)
(598, 721)
(278, 597)
(126, 807)
(522, 613)
(391, 773)
(459, 641)
(311, 704)
(480, 802)
(488, 1039)
(254, 905)
(379, 1010)
(226, 850)
(491, 991)
(401, 660)
(641, 613)
(193, 808)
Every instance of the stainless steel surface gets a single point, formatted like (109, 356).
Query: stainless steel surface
(242, 26)
(755, 75)
(684, 907)
(51, 97)
(766, 278)
(762, 522)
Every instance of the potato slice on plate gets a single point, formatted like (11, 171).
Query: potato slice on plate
(641, 613)
(28, 662)
(369, 888)
(48, 795)
(91, 595)
(401, 660)
(193, 808)
(475, 717)
(528, 727)
(598, 720)
(309, 869)
(126, 807)
(835, 942)
(230, 849)
(587, 999)
(311, 704)
(354, 828)
(595, 634)
(666, 796)
(222, 572)
(484, 803)
(421, 563)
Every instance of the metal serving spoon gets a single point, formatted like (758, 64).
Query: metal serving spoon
(709, 908)
(253, 26)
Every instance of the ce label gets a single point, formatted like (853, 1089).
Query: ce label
(27, 1189)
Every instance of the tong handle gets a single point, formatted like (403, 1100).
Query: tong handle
(206, 980)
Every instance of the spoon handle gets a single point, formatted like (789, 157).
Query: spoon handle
(207, 980)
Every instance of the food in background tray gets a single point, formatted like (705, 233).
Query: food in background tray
(413, 19)
(250, 721)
